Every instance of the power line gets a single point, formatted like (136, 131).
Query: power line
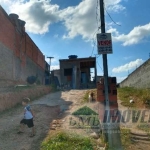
(98, 28)
(97, 20)
(111, 17)
(94, 40)
(100, 67)
(96, 55)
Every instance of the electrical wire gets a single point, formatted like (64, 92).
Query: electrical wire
(111, 17)
(94, 40)
(97, 20)
(96, 55)
(100, 67)
(98, 28)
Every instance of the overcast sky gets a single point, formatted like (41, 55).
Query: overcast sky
(68, 27)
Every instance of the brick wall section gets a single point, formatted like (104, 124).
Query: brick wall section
(140, 78)
(7, 30)
(19, 55)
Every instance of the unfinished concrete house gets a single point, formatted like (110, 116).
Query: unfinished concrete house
(76, 72)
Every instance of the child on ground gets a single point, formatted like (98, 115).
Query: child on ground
(28, 118)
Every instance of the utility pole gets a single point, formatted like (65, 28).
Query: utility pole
(114, 140)
(50, 67)
(50, 62)
(105, 68)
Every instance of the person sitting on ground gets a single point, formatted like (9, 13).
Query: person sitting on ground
(28, 118)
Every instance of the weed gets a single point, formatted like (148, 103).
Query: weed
(67, 141)
(140, 96)
(145, 127)
(125, 138)
(84, 111)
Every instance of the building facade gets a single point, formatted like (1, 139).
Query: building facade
(76, 72)
(19, 55)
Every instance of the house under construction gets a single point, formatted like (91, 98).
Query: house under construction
(76, 72)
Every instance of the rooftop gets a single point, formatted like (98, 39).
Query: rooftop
(80, 59)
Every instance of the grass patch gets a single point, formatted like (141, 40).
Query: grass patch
(67, 141)
(84, 111)
(140, 96)
(125, 138)
(145, 127)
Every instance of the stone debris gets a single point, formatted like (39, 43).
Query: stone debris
(55, 124)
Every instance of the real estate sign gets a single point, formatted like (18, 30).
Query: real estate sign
(104, 43)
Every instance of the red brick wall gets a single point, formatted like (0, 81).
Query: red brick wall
(7, 36)
(34, 53)
(20, 43)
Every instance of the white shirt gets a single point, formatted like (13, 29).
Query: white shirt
(27, 112)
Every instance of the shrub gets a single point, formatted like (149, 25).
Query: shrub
(140, 96)
(66, 141)
(84, 111)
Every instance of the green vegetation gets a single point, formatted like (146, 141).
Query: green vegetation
(145, 127)
(66, 141)
(140, 96)
(125, 138)
(84, 111)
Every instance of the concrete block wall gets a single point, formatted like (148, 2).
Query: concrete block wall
(11, 68)
(19, 55)
(6, 63)
(140, 78)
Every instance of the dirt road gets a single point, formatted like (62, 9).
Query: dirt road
(46, 109)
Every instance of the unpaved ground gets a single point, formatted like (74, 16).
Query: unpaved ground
(9, 124)
(139, 145)
(52, 106)
(46, 109)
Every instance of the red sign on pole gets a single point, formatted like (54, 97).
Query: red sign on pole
(104, 43)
